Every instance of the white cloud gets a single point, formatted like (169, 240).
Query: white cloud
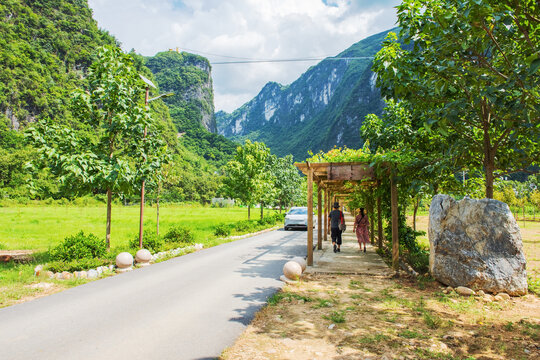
(261, 29)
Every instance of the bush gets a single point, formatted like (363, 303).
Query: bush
(79, 246)
(243, 225)
(222, 230)
(77, 265)
(151, 242)
(179, 234)
(419, 261)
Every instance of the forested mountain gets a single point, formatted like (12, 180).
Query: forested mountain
(188, 76)
(46, 47)
(323, 108)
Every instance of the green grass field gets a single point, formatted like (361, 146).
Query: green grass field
(42, 227)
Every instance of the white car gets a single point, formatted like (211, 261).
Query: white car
(296, 218)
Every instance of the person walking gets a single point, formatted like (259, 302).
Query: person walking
(336, 217)
(361, 224)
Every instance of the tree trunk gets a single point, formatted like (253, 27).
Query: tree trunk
(489, 151)
(249, 212)
(157, 215)
(108, 229)
(414, 213)
(262, 207)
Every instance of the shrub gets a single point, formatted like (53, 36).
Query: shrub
(222, 230)
(151, 242)
(77, 265)
(179, 234)
(243, 225)
(79, 246)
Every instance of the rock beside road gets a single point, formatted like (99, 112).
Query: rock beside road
(476, 244)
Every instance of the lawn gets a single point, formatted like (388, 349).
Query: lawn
(42, 227)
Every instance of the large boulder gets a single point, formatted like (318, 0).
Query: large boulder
(477, 244)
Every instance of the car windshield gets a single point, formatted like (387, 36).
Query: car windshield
(299, 211)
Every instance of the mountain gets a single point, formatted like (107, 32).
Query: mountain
(323, 108)
(188, 77)
(46, 47)
(191, 107)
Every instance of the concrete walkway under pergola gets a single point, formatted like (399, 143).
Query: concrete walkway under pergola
(331, 179)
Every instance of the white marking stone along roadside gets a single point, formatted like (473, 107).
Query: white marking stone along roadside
(190, 307)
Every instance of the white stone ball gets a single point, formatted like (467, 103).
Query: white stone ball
(292, 270)
(143, 256)
(301, 261)
(124, 260)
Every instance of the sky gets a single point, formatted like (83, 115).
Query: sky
(252, 29)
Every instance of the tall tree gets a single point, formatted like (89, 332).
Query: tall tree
(287, 180)
(470, 71)
(245, 176)
(108, 153)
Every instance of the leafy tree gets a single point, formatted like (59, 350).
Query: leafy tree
(470, 74)
(287, 180)
(245, 175)
(108, 153)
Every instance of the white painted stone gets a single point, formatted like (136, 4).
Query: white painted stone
(292, 270)
(124, 260)
(83, 275)
(331, 326)
(143, 257)
(50, 274)
(92, 274)
(99, 270)
(301, 261)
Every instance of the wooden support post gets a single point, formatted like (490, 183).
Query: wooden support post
(326, 215)
(395, 235)
(371, 222)
(379, 224)
(319, 216)
(310, 217)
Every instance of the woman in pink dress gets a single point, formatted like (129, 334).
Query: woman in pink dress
(361, 224)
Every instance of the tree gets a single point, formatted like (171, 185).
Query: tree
(245, 176)
(287, 180)
(108, 152)
(470, 72)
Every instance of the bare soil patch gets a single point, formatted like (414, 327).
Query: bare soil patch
(369, 317)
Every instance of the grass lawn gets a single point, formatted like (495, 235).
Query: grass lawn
(42, 227)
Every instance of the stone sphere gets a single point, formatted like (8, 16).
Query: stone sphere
(143, 256)
(124, 260)
(292, 270)
(301, 261)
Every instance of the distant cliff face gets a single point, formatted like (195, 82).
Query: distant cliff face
(188, 76)
(323, 108)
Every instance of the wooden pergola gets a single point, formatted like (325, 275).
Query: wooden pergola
(331, 179)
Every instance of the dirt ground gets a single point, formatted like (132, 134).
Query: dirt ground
(345, 317)
(369, 317)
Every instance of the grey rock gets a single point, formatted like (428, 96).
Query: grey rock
(480, 293)
(477, 244)
(331, 326)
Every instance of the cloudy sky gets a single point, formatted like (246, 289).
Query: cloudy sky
(252, 29)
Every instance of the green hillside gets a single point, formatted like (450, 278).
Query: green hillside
(45, 50)
(323, 108)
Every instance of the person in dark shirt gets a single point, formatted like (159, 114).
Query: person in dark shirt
(336, 217)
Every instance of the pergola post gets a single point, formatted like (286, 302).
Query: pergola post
(310, 216)
(325, 214)
(379, 223)
(371, 220)
(395, 234)
(319, 216)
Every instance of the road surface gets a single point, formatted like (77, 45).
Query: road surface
(190, 307)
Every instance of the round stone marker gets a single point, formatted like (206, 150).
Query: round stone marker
(292, 270)
(143, 257)
(301, 261)
(124, 261)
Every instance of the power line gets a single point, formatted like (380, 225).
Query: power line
(289, 60)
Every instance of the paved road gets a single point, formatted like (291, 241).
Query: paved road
(191, 307)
